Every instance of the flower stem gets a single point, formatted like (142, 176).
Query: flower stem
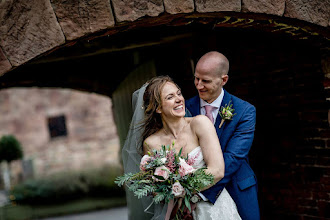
(222, 121)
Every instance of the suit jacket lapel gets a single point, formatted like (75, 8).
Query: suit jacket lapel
(225, 100)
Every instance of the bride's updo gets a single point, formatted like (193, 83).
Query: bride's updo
(151, 102)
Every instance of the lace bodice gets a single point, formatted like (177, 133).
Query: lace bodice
(195, 157)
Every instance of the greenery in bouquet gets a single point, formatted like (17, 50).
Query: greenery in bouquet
(166, 175)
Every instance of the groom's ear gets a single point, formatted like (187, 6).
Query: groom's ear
(224, 79)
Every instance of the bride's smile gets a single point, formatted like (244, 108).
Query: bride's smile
(172, 102)
(178, 107)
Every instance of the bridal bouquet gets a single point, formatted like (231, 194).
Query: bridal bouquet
(168, 177)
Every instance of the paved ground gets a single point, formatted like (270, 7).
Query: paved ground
(120, 213)
(3, 198)
(110, 214)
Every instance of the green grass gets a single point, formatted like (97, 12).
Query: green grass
(22, 212)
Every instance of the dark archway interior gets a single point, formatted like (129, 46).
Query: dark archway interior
(100, 64)
(280, 76)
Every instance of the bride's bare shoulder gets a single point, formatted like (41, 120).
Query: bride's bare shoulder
(200, 124)
(151, 142)
(199, 120)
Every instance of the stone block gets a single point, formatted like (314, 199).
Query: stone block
(81, 17)
(4, 63)
(179, 6)
(316, 11)
(28, 29)
(218, 5)
(275, 7)
(131, 10)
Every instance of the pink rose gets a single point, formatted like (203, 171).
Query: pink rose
(144, 161)
(163, 172)
(178, 190)
(185, 168)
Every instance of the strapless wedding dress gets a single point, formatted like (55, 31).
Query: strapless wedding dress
(223, 209)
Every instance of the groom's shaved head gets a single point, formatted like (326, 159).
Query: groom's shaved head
(211, 74)
(214, 62)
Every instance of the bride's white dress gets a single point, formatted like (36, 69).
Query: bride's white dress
(223, 209)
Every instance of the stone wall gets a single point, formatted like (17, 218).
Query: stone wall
(91, 139)
(31, 28)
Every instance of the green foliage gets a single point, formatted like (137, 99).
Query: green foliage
(120, 180)
(134, 186)
(159, 197)
(69, 186)
(10, 148)
(187, 202)
(204, 179)
(144, 191)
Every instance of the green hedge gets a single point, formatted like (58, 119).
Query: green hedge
(69, 186)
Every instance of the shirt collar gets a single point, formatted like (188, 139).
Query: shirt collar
(216, 103)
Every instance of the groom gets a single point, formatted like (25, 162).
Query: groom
(235, 135)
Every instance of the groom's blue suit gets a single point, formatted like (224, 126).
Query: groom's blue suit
(236, 137)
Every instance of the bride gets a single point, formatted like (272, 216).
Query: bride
(163, 124)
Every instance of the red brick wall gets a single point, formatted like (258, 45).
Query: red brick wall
(291, 153)
(91, 141)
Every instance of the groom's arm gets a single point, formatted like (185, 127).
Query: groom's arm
(236, 151)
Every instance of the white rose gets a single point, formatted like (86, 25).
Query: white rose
(178, 190)
(163, 160)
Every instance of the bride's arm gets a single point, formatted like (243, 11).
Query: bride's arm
(209, 143)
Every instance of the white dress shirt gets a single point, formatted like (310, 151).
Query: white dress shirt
(215, 104)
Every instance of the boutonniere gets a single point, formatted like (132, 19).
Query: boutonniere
(226, 113)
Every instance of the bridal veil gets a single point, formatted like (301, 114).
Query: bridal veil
(131, 155)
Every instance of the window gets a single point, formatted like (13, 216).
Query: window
(57, 126)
